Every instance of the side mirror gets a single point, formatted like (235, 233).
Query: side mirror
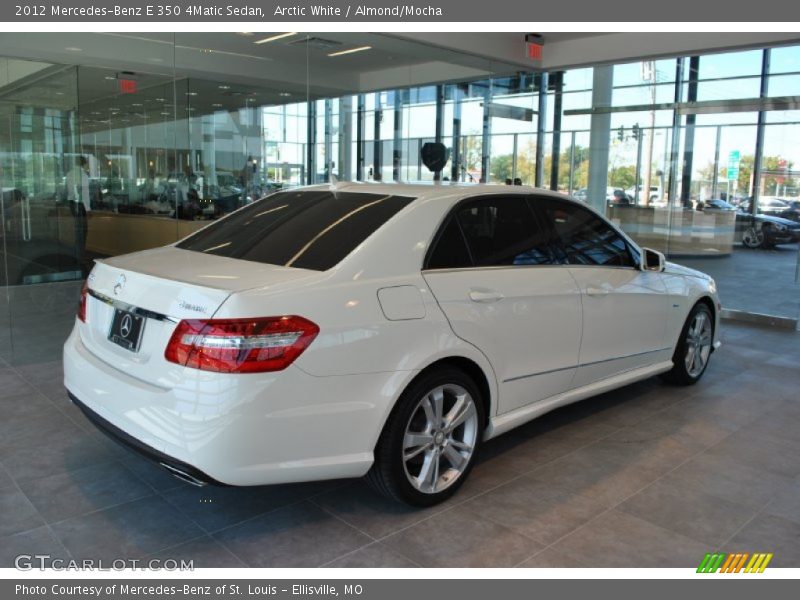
(652, 260)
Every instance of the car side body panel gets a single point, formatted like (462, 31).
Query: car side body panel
(381, 325)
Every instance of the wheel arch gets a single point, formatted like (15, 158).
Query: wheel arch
(469, 366)
(473, 370)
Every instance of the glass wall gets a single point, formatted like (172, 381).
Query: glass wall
(96, 161)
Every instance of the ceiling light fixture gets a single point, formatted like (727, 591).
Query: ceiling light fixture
(284, 94)
(350, 51)
(73, 49)
(273, 38)
(224, 87)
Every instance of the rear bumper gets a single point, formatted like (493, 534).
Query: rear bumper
(245, 429)
(191, 474)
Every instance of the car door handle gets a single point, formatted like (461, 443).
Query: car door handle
(485, 296)
(593, 290)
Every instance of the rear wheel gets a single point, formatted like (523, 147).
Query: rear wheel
(430, 441)
(694, 347)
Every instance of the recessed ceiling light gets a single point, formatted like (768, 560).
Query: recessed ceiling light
(191, 93)
(273, 38)
(166, 113)
(224, 87)
(73, 49)
(350, 51)
(217, 105)
(137, 104)
(59, 93)
(161, 99)
(247, 33)
(284, 94)
(110, 78)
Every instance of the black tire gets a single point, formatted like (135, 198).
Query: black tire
(753, 237)
(388, 474)
(680, 373)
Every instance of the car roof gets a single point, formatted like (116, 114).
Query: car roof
(435, 190)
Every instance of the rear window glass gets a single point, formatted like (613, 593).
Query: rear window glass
(302, 229)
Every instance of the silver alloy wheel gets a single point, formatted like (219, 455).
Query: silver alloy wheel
(753, 237)
(698, 344)
(440, 438)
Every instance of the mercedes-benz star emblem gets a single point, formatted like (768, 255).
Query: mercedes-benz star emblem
(126, 326)
(119, 285)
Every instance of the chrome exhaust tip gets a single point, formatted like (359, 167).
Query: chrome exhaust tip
(185, 477)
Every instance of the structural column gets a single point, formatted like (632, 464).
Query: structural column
(599, 134)
(541, 125)
(360, 138)
(688, 144)
(455, 172)
(439, 130)
(557, 81)
(311, 142)
(755, 191)
(486, 137)
(345, 166)
(377, 153)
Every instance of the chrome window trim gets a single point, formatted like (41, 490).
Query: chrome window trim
(496, 267)
(142, 312)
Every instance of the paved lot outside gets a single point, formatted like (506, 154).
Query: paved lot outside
(760, 281)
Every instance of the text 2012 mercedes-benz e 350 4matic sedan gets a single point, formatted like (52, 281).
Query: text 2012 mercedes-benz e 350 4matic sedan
(386, 330)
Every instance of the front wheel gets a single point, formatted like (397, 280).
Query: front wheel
(694, 347)
(753, 237)
(430, 441)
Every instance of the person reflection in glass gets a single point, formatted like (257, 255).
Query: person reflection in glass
(80, 205)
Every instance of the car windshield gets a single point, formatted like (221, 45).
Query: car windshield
(306, 229)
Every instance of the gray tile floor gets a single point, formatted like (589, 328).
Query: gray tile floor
(645, 476)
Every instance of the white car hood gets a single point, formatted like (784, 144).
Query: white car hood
(676, 269)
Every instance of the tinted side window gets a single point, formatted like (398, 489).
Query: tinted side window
(504, 231)
(451, 250)
(583, 237)
(312, 229)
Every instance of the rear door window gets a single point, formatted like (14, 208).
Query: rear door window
(306, 229)
(503, 231)
(581, 236)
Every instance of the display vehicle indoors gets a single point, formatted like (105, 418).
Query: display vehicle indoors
(371, 329)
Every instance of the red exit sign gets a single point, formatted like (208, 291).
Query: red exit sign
(127, 86)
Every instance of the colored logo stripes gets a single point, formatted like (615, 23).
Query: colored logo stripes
(719, 562)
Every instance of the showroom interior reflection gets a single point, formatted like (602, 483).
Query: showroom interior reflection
(113, 143)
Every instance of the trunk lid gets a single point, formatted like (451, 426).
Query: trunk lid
(164, 286)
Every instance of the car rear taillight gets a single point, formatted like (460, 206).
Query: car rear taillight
(240, 345)
(82, 302)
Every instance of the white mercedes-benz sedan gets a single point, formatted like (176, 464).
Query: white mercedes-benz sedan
(387, 330)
